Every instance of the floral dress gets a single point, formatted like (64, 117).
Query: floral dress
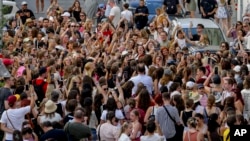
(221, 11)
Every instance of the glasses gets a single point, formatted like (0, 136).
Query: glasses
(223, 46)
(105, 89)
(245, 26)
(73, 26)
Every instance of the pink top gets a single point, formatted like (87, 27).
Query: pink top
(192, 136)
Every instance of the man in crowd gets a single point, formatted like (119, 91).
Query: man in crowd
(141, 15)
(24, 13)
(115, 13)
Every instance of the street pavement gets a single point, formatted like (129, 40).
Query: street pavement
(65, 4)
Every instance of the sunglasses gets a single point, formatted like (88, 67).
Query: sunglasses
(73, 26)
(105, 89)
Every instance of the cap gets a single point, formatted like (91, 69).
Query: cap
(42, 70)
(40, 19)
(17, 96)
(66, 14)
(12, 99)
(24, 3)
(125, 52)
(190, 84)
(237, 68)
(168, 72)
(199, 86)
(7, 61)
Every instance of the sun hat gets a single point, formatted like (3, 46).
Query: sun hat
(50, 107)
(195, 96)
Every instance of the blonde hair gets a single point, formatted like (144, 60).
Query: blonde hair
(124, 127)
(88, 69)
(72, 80)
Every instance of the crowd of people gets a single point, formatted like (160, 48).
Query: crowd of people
(112, 76)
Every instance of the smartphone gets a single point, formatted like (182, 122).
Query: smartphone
(114, 77)
(216, 70)
(125, 74)
(208, 60)
(26, 87)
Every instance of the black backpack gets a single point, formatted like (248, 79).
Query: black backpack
(39, 92)
(171, 6)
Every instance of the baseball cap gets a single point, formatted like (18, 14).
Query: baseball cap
(12, 99)
(24, 3)
(200, 86)
(237, 68)
(66, 14)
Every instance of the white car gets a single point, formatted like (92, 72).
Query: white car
(212, 30)
(9, 9)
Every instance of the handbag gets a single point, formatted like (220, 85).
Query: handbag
(152, 116)
(178, 128)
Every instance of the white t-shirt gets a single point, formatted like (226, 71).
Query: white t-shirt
(118, 114)
(154, 137)
(56, 118)
(127, 15)
(116, 12)
(124, 137)
(16, 117)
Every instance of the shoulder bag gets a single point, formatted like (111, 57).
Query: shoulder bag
(178, 128)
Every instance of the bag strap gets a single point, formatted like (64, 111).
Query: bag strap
(152, 113)
(205, 112)
(99, 132)
(169, 115)
(188, 136)
(10, 121)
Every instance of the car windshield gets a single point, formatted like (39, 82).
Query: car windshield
(215, 35)
(152, 6)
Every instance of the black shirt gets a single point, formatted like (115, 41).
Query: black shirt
(208, 5)
(25, 14)
(57, 134)
(4, 94)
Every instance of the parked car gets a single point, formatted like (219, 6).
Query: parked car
(212, 30)
(9, 9)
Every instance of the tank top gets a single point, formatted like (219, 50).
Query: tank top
(226, 136)
(186, 116)
(191, 136)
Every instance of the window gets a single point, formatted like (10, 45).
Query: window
(7, 9)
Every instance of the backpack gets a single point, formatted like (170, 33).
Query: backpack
(171, 6)
(39, 92)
